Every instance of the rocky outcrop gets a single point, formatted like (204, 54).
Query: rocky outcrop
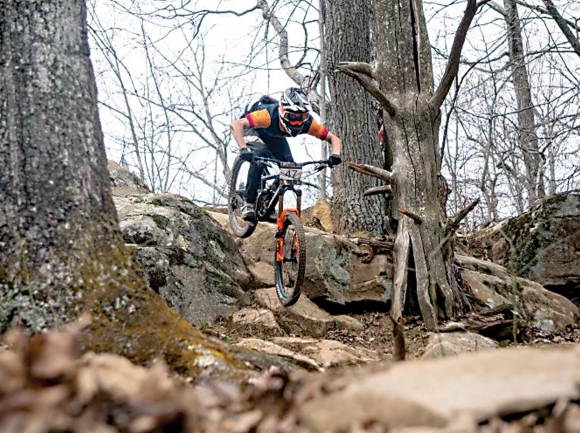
(453, 394)
(335, 270)
(442, 345)
(492, 285)
(310, 353)
(183, 253)
(542, 244)
(202, 271)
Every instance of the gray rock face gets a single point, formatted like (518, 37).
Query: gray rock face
(334, 270)
(303, 317)
(493, 285)
(121, 178)
(542, 244)
(473, 387)
(443, 345)
(184, 254)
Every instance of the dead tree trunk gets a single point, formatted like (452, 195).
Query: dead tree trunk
(403, 84)
(528, 137)
(61, 251)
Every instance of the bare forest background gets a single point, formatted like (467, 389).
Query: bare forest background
(172, 75)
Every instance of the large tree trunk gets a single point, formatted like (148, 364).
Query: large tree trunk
(352, 117)
(528, 137)
(61, 252)
(405, 76)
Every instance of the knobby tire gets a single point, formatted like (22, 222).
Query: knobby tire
(241, 228)
(288, 294)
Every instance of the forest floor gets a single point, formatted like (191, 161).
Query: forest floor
(377, 335)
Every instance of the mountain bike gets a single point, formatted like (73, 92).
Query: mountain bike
(290, 247)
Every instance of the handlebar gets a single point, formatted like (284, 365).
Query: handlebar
(321, 163)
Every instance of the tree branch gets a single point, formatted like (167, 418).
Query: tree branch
(370, 86)
(573, 24)
(290, 69)
(416, 218)
(370, 170)
(378, 190)
(563, 25)
(453, 62)
(360, 67)
(453, 223)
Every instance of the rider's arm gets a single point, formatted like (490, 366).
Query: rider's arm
(256, 119)
(320, 132)
(237, 128)
(335, 144)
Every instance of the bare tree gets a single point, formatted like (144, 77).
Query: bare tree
(403, 83)
(352, 115)
(62, 252)
(178, 111)
(528, 137)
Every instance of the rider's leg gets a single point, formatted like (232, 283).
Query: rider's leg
(255, 171)
(281, 151)
(253, 180)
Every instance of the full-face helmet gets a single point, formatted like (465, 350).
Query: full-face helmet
(294, 110)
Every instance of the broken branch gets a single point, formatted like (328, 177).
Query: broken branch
(416, 218)
(360, 67)
(378, 190)
(371, 87)
(453, 62)
(370, 170)
(453, 223)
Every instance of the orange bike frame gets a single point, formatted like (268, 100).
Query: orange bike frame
(280, 225)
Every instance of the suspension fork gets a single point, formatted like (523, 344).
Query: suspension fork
(280, 223)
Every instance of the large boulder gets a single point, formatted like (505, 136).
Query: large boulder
(183, 253)
(335, 269)
(542, 244)
(493, 285)
(125, 180)
(470, 388)
(443, 345)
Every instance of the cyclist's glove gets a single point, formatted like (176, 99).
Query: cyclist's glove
(246, 154)
(334, 160)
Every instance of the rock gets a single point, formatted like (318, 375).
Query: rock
(443, 345)
(274, 349)
(572, 419)
(328, 353)
(334, 270)
(433, 393)
(347, 322)
(122, 179)
(256, 319)
(546, 310)
(303, 317)
(319, 215)
(493, 285)
(184, 254)
(542, 244)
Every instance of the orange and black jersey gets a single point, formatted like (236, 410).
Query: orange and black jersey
(266, 122)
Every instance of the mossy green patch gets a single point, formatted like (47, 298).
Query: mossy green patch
(161, 221)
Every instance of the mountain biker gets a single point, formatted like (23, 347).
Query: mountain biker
(272, 123)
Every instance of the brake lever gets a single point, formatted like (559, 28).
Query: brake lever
(321, 167)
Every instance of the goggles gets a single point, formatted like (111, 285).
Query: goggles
(293, 118)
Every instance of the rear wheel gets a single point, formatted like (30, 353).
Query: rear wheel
(290, 260)
(237, 199)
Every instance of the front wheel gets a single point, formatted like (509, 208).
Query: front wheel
(290, 260)
(237, 199)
